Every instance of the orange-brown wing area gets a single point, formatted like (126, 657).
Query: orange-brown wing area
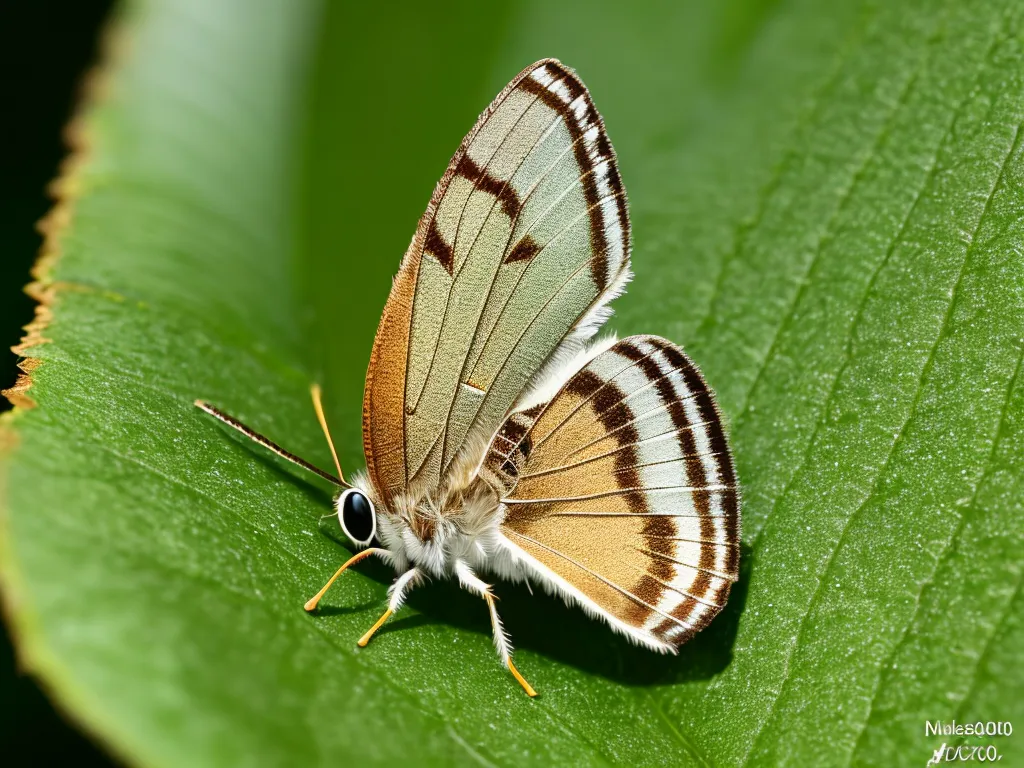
(525, 240)
(383, 394)
(622, 485)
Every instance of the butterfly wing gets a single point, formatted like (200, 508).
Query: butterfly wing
(525, 240)
(621, 492)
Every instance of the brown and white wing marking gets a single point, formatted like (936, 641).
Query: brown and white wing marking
(525, 240)
(621, 492)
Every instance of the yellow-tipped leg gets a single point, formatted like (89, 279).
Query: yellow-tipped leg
(499, 636)
(370, 632)
(398, 590)
(521, 680)
(312, 602)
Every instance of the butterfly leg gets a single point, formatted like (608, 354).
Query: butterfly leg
(397, 591)
(472, 583)
(312, 603)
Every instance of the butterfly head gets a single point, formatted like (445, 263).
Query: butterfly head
(357, 516)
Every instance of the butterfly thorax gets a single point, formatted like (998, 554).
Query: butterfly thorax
(433, 526)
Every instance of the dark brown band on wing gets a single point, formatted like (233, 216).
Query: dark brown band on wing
(721, 458)
(486, 182)
(694, 468)
(436, 246)
(511, 447)
(706, 588)
(524, 250)
(586, 160)
(706, 406)
(616, 417)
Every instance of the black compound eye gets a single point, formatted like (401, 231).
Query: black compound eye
(357, 518)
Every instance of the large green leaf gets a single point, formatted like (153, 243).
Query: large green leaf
(828, 214)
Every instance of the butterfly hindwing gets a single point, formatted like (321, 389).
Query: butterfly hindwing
(622, 494)
(525, 240)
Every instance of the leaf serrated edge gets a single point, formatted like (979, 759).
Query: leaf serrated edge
(73, 704)
(64, 190)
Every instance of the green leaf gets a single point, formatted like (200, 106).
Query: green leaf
(828, 215)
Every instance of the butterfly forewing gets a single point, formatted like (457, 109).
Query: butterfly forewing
(524, 241)
(622, 489)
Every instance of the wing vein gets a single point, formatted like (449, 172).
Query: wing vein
(490, 287)
(455, 245)
(512, 229)
(677, 460)
(632, 364)
(634, 421)
(651, 383)
(598, 576)
(561, 287)
(659, 556)
(619, 491)
(666, 585)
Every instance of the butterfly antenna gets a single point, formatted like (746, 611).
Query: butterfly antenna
(315, 392)
(267, 443)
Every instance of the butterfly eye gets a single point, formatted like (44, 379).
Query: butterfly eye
(356, 515)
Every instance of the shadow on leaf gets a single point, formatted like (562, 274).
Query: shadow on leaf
(543, 624)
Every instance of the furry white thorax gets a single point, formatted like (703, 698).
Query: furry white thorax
(435, 529)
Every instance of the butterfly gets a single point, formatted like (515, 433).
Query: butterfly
(499, 437)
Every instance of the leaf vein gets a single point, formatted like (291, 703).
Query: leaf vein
(847, 195)
(947, 551)
(816, 597)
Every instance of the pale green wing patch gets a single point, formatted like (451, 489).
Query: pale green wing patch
(525, 241)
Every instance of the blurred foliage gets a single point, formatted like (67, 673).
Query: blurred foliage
(827, 214)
